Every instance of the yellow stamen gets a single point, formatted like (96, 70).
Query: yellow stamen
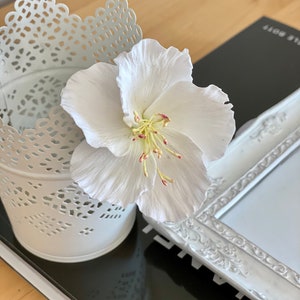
(147, 132)
(164, 178)
(145, 168)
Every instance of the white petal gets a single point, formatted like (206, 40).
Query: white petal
(202, 114)
(183, 197)
(103, 176)
(92, 98)
(147, 71)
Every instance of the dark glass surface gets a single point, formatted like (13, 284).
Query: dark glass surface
(139, 268)
(257, 68)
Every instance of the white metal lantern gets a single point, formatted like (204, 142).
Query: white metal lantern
(41, 46)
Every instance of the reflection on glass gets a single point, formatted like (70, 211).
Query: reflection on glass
(269, 215)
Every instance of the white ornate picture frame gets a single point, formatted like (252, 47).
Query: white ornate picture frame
(247, 230)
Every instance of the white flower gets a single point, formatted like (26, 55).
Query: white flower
(148, 131)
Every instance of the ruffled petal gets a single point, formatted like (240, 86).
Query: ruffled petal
(202, 114)
(92, 98)
(105, 177)
(183, 197)
(147, 71)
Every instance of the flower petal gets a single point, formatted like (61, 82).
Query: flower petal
(147, 71)
(105, 177)
(202, 114)
(183, 197)
(92, 98)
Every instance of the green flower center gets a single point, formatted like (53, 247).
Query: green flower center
(153, 141)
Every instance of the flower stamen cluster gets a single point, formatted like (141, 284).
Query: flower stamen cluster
(153, 141)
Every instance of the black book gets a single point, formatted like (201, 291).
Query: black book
(257, 68)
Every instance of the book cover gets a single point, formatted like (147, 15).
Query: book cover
(256, 68)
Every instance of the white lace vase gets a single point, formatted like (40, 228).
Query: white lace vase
(41, 46)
